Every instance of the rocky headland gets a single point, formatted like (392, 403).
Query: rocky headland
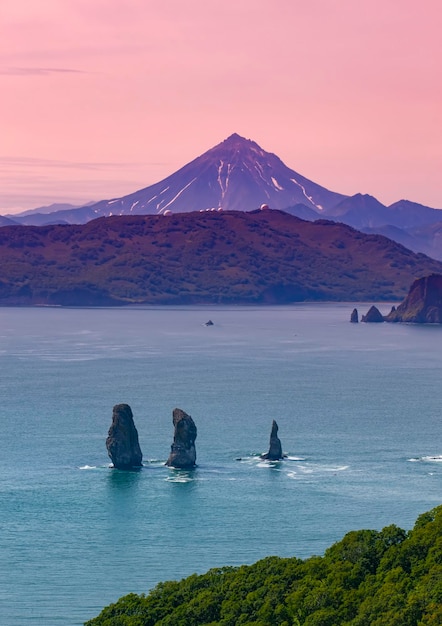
(423, 304)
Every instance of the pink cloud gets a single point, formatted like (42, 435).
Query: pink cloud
(37, 71)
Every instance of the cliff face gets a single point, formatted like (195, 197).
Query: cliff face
(423, 305)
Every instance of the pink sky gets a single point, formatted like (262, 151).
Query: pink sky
(100, 98)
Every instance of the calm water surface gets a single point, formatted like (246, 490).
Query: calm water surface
(358, 408)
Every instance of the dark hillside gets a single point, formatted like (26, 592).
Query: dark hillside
(209, 257)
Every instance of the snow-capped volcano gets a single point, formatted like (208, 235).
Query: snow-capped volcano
(237, 174)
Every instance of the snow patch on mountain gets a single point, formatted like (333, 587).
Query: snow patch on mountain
(309, 198)
(276, 184)
(259, 169)
(224, 184)
(176, 196)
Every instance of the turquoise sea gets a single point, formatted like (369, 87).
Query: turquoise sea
(359, 414)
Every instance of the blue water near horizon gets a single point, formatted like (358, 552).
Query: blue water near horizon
(358, 409)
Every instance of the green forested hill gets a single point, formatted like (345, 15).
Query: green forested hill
(370, 578)
(192, 258)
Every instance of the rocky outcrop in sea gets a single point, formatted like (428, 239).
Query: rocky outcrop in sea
(122, 440)
(275, 448)
(373, 315)
(354, 318)
(423, 304)
(183, 453)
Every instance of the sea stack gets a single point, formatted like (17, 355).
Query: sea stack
(122, 440)
(354, 318)
(275, 449)
(373, 315)
(423, 304)
(182, 452)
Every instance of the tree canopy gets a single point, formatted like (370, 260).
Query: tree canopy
(369, 578)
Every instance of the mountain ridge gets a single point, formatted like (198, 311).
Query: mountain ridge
(229, 257)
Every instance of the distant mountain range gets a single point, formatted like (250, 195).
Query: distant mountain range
(262, 256)
(238, 174)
